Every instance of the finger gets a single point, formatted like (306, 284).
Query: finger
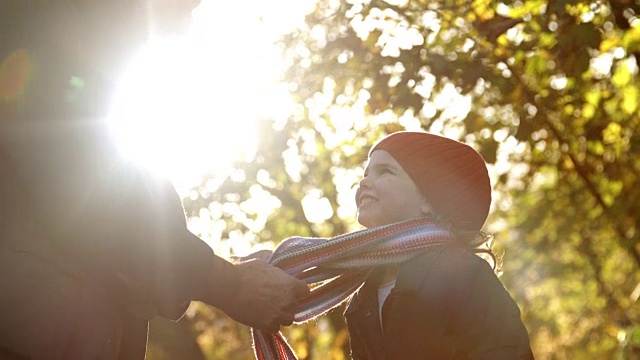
(271, 329)
(287, 319)
(261, 254)
(301, 290)
(270, 326)
(291, 304)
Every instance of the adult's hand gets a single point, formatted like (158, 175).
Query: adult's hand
(260, 254)
(260, 295)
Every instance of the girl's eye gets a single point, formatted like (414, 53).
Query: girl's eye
(378, 171)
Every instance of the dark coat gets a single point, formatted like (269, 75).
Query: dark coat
(91, 248)
(446, 304)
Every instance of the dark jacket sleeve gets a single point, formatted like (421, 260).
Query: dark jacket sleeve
(133, 233)
(91, 247)
(125, 226)
(448, 304)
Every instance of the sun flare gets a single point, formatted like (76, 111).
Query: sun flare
(188, 105)
(175, 114)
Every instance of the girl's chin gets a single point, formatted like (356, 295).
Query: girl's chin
(366, 221)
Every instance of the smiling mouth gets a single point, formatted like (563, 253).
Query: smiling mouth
(366, 199)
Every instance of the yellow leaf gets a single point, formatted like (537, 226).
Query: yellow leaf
(609, 44)
(622, 76)
(630, 99)
(612, 133)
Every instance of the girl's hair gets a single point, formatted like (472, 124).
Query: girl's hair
(479, 242)
(482, 245)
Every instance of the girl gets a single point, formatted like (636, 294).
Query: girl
(423, 292)
(445, 303)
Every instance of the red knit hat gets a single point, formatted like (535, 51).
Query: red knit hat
(451, 175)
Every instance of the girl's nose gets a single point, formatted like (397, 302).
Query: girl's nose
(365, 182)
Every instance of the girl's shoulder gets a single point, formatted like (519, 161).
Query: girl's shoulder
(443, 266)
(447, 258)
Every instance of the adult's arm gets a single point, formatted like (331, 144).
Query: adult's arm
(173, 266)
(127, 228)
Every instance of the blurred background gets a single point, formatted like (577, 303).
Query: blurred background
(263, 112)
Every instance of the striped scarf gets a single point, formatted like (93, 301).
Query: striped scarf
(336, 268)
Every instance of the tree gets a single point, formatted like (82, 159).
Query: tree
(291, 163)
(547, 91)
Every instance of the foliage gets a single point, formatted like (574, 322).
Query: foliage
(286, 167)
(547, 91)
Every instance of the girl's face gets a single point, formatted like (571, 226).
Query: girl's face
(387, 194)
